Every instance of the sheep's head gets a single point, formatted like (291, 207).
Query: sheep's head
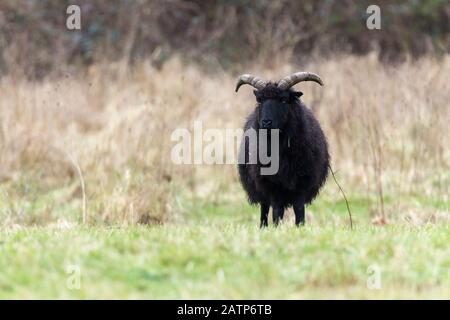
(275, 98)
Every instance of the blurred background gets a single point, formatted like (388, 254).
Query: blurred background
(228, 33)
(86, 115)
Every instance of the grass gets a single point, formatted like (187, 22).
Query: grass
(214, 249)
(217, 251)
(226, 261)
(159, 230)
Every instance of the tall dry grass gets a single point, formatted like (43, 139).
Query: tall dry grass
(387, 128)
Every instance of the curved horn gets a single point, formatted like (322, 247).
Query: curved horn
(252, 80)
(297, 77)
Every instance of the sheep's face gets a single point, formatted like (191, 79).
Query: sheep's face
(274, 106)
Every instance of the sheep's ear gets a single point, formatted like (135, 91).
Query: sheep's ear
(257, 95)
(297, 94)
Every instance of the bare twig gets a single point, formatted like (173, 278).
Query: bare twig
(77, 167)
(345, 198)
(80, 176)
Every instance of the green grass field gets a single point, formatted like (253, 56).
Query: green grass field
(227, 261)
(219, 252)
(92, 204)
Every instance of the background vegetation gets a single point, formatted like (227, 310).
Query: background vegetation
(86, 177)
(229, 33)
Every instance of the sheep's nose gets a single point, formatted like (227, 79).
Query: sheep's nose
(266, 124)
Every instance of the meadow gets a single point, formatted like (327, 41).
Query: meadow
(87, 181)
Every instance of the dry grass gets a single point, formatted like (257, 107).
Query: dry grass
(387, 127)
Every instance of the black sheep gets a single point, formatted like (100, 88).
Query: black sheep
(303, 152)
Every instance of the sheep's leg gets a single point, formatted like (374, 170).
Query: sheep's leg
(277, 214)
(264, 214)
(299, 209)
